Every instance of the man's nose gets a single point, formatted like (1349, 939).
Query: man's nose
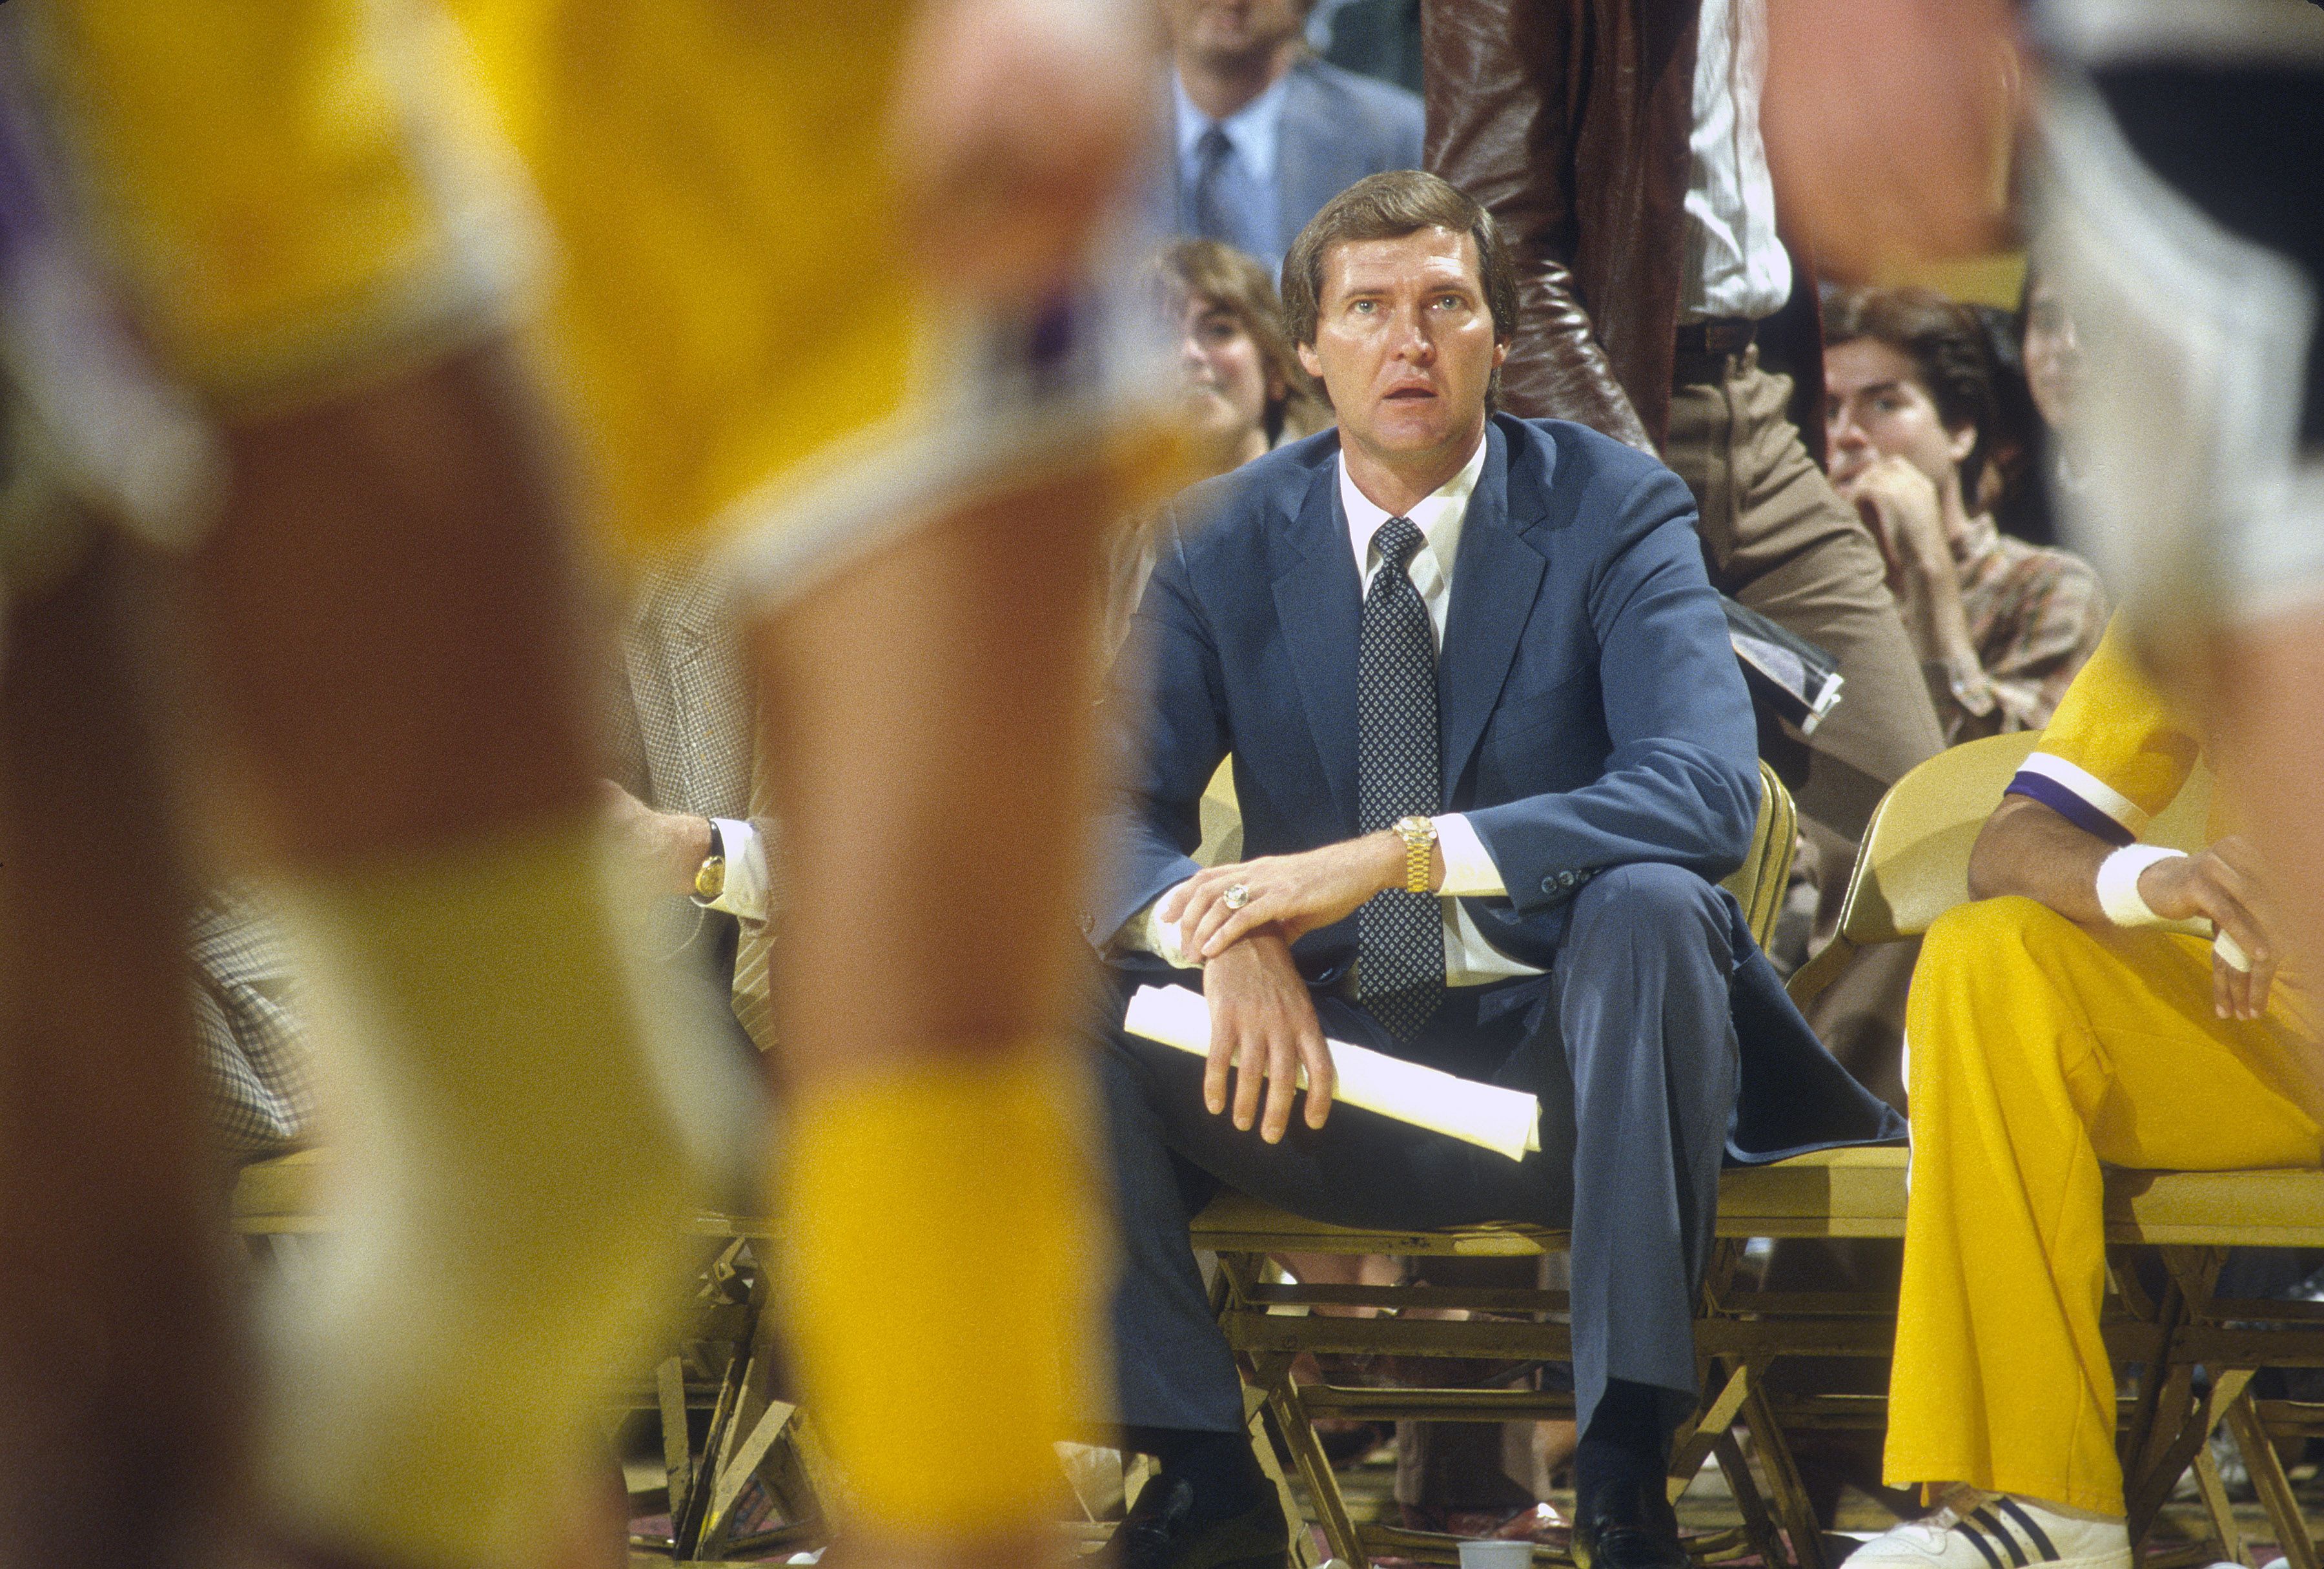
(1190, 352)
(1412, 341)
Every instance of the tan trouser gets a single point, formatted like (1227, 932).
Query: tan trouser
(1779, 541)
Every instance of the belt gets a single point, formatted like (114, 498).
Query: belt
(1723, 336)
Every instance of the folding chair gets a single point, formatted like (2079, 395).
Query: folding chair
(1268, 1323)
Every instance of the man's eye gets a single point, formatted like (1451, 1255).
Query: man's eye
(1450, 301)
(1362, 308)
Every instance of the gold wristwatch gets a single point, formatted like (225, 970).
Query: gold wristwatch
(710, 877)
(1419, 836)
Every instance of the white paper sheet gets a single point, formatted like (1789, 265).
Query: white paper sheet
(1504, 1122)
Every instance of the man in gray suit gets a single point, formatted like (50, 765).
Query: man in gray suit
(1263, 132)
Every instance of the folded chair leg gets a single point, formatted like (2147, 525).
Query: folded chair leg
(687, 1529)
(677, 1460)
(1758, 1525)
(1270, 1380)
(1692, 1447)
(2217, 1505)
(2150, 1487)
(1791, 1495)
(2275, 1495)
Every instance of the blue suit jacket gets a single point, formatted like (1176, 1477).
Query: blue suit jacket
(1590, 707)
(1337, 128)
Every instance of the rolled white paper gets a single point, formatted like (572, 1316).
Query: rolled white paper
(1504, 1122)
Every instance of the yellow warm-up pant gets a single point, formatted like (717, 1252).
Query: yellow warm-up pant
(2038, 1050)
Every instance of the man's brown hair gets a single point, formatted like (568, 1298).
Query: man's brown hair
(1948, 351)
(1389, 207)
(1239, 284)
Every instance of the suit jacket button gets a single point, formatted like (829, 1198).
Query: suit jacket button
(1549, 885)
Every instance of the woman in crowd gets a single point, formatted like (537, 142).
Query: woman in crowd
(2001, 626)
(1241, 392)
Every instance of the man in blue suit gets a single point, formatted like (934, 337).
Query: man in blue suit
(1262, 134)
(1492, 750)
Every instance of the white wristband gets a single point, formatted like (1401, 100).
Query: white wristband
(2118, 887)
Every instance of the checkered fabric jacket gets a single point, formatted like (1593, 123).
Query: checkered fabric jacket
(256, 1063)
(683, 742)
(2034, 616)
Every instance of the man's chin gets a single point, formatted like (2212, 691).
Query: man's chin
(1413, 437)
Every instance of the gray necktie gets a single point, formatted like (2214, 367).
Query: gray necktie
(1225, 199)
(1400, 935)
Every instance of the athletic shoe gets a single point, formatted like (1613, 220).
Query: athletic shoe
(1974, 1529)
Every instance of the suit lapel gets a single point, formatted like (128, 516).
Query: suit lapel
(1496, 579)
(1319, 603)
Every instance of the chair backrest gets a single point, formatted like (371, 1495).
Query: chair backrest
(1758, 884)
(1914, 865)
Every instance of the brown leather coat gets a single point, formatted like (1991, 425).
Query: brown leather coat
(1569, 120)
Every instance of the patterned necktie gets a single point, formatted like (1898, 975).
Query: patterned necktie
(1400, 935)
(1224, 198)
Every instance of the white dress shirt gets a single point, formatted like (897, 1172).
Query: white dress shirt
(1735, 265)
(1468, 870)
(747, 879)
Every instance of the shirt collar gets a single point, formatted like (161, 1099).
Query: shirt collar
(1980, 540)
(1438, 516)
(1253, 128)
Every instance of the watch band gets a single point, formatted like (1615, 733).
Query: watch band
(710, 877)
(1419, 836)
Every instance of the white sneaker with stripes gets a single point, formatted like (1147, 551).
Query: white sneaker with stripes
(1974, 1529)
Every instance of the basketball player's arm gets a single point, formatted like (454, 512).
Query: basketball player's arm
(2028, 849)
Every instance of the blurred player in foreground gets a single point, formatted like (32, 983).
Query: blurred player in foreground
(2180, 213)
(406, 291)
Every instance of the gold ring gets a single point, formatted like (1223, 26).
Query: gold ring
(1237, 897)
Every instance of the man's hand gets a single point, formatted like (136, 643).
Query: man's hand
(665, 847)
(2222, 885)
(1263, 1026)
(1900, 505)
(1294, 894)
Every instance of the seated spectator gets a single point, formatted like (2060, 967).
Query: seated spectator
(1515, 887)
(2001, 626)
(2014, 487)
(1242, 391)
(2055, 1028)
(1262, 133)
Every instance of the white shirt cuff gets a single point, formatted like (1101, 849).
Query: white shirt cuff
(1468, 869)
(747, 879)
(1150, 933)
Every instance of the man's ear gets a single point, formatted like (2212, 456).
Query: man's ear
(1310, 361)
(1500, 352)
(1959, 443)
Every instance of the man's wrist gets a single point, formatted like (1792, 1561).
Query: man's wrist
(690, 837)
(1391, 859)
(2119, 895)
